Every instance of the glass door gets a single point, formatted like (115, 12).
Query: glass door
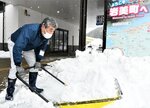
(59, 41)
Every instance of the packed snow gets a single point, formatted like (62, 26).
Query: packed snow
(90, 75)
(4, 54)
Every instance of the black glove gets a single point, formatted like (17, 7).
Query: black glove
(20, 69)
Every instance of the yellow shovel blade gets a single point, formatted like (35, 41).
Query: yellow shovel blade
(90, 105)
(100, 103)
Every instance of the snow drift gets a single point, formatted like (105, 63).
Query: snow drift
(89, 76)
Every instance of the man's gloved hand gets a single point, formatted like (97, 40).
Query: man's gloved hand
(38, 66)
(20, 69)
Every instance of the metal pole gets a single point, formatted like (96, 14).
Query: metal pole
(41, 96)
(105, 26)
(3, 26)
(54, 76)
(83, 17)
(72, 43)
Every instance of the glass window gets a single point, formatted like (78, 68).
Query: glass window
(95, 13)
(65, 40)
(59, 41)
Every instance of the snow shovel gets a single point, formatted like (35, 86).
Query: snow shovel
(99, 103)
(23, 81)
(50, 74)
(54, 76)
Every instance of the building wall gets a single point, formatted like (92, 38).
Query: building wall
(37, 17)
(34, 17)
(11, 20)
(10, 24)
(15, 17)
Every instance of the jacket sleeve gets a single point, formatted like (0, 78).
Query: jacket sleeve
(20, 44)
(40, 50)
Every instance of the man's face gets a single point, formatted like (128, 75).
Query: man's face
(49, 29)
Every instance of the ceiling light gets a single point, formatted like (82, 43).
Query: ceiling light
(58, 12)
(38, 7)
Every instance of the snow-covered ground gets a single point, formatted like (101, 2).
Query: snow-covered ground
(89, 76)
(4, 54)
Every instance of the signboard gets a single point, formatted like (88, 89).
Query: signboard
(99, 20)
(128, 26)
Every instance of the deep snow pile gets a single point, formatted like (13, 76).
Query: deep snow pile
(133, 74)
(90, 76)
(86, 77)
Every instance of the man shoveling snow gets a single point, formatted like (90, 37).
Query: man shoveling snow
(30, 41)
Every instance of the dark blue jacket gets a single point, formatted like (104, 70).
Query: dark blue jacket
(26, 38)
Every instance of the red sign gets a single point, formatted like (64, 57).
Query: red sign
(127, 10)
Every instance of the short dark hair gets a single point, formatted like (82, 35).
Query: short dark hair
(50, 21)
